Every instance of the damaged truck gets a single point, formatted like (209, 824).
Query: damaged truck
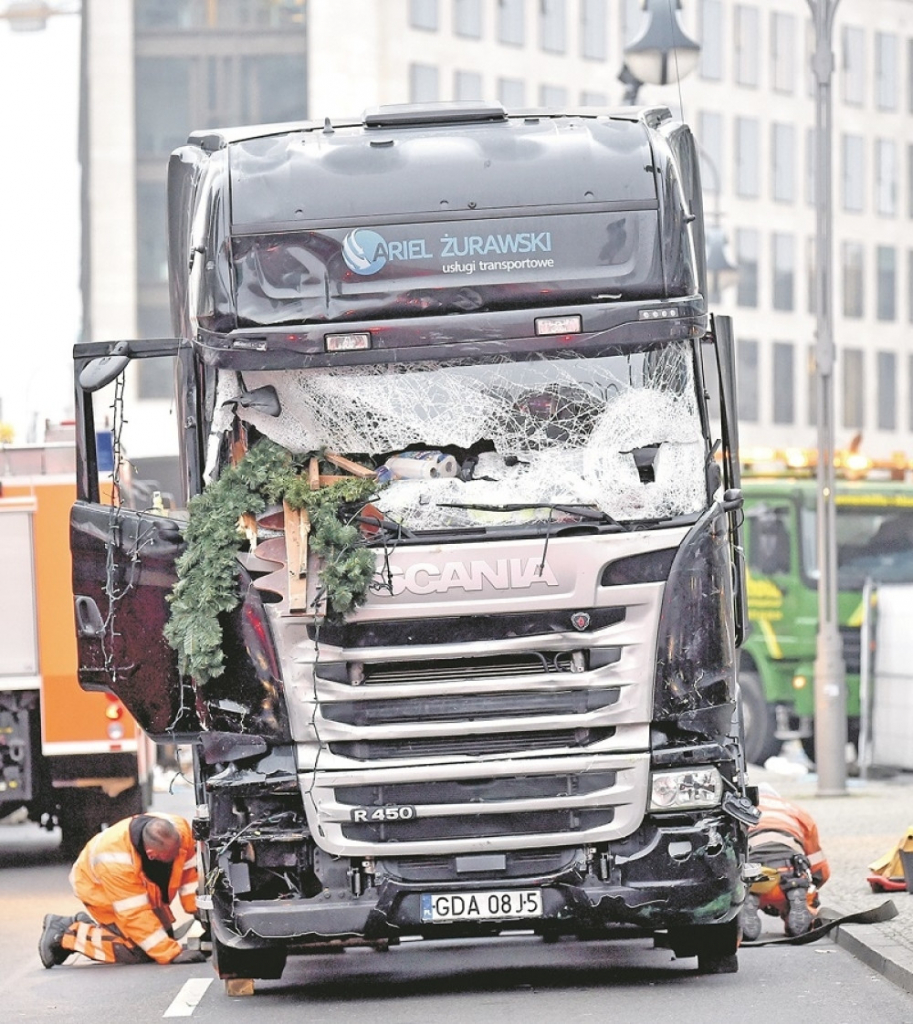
(450, 607)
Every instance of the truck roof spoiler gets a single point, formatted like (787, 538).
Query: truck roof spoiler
(450, 112)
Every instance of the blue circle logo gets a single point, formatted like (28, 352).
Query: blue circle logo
(364, 251)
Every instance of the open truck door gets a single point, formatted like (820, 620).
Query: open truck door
(124, 561)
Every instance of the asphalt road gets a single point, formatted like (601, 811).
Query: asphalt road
(519, 980)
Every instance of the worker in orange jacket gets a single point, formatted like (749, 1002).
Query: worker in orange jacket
(785, 844)
(127, 877)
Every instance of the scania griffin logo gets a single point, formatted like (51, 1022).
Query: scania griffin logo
(504, 574)
(364, 251)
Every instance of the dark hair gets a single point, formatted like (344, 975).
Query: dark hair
(159, 833)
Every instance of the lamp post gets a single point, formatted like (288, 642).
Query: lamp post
(32, 15)
(830, 671)
(662, 52)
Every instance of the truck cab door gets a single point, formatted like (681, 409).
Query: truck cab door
(124, 543)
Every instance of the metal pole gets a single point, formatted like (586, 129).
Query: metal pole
(830, 671)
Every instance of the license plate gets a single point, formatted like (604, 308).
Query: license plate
(481, 906)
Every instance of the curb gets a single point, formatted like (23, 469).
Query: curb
(890, 959)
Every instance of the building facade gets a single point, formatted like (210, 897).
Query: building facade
(156, 69)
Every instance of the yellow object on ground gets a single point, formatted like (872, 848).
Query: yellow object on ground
(891, 864)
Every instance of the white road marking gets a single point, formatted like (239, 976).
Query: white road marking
(186, 1001)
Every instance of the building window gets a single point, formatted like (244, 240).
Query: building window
(710, 152)
(853, 157)
(886, 282)
(783, 51)
(511, 27)
(886, 363)
(910, 286)
(747, 373)
(910, 393)
(910, 76)
(552, 96)
(784, 271)
(784, 383)
(711, 59)
(811, 276)
(853, 279)
(783, 154)
(163, 98)
(747, 39)
(423, 83)
(853, 57)
(467, 85)
(811, 164)
(151, 234)
(467, 18)
(423, 14)
(588, 98)
(593, 29)
(747, 157)
(552, 27)
(748, 245)
(886, 71)
(853, 388)
(886, 177)
(910, 181)
(512, 92)
(811, 380)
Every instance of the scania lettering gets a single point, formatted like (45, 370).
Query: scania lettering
(450, 606)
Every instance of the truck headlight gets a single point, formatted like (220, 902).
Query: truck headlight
(684, 790)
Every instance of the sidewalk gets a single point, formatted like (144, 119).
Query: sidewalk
(855, 829)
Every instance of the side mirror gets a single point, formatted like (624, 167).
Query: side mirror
(100, 372)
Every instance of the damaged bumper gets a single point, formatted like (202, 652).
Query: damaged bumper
(669, 874)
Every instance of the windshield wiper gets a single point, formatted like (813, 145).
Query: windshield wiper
(574, 510)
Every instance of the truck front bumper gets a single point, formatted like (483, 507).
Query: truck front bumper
(670, 874)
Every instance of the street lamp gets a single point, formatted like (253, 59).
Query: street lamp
(32, 15)
(830, 670)
(661, 53)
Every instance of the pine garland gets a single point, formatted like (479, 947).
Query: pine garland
(207, 570)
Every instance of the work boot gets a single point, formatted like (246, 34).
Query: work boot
(750, 919)
(50, 950)
(798, 918)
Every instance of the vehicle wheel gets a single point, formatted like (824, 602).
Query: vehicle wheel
(852, 735)
(268, 962)
(714, 945)
(758, 719)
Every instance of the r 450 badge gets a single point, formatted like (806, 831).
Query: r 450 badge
(391, 812)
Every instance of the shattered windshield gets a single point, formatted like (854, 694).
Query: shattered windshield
(620, 434)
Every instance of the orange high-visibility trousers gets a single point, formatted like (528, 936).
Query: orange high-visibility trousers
(104, 943)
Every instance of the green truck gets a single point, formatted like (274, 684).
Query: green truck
(874, 533)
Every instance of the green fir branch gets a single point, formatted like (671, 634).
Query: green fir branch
(208, 570)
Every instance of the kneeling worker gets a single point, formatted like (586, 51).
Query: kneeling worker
(127, 878)
(785, 844)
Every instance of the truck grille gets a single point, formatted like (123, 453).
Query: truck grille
(464, 629)
(530, 802)
(469, 708)
(479, 790)
(479, 825)
(471, 746)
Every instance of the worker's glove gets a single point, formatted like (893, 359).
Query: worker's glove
(190, 956)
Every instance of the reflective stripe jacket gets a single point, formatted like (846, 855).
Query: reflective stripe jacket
(785, 823)
(108, 878)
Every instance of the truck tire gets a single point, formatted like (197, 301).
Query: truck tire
(714, 945)
(265, 963)
(758, 719)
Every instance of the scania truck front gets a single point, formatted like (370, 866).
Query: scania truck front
(452, 617)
